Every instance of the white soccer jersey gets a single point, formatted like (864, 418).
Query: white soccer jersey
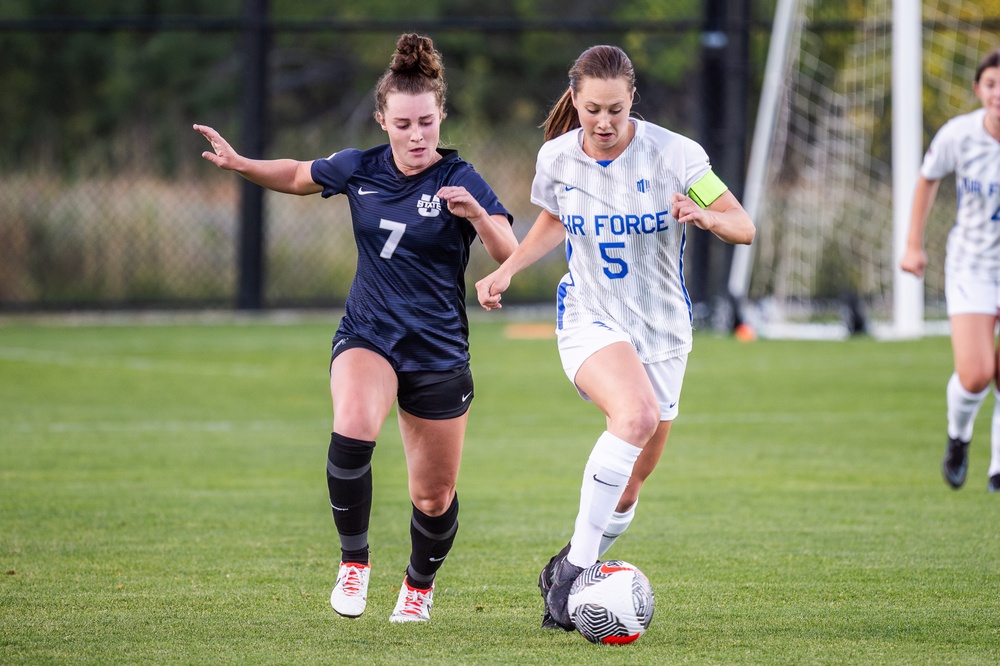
(963, 147)
(624, 249)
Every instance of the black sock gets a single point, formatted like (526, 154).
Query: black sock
(349, 480)
(431, 540)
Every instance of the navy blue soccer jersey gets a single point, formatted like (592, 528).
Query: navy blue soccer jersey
(408, 295)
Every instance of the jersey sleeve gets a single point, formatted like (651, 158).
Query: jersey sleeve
(703, 186)
(543, 191)
(333, 172)
(696, 162)
(477, 186)
(940, 158)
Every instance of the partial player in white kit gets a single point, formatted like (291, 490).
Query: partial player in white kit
(618, 191)
(969, 147)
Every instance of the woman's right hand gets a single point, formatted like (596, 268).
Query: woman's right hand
(490, 287)
(222, 154)
(914, 261)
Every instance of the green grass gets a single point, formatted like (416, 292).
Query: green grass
(162, 500)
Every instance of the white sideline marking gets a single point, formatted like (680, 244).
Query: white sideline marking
(169, 426)
(788, 417)
(137, 363)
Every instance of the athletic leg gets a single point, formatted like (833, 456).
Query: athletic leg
(616, 381)
(614, 378)
(433, 455)
(362, 388)
(972, 342)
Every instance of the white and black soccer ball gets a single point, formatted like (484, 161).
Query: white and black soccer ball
(611, 602)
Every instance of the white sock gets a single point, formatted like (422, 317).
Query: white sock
(962, 409)
(995, 436)
(604, 478)
(616, 527)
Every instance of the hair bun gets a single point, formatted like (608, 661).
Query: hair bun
(415, 68)
(416, 55)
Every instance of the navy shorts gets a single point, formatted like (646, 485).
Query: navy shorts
(427, 395)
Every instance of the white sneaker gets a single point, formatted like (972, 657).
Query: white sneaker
(413, 605)
(350, 595)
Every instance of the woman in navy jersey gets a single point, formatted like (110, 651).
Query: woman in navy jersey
(416, 210)
(618, 191)
(969, 147)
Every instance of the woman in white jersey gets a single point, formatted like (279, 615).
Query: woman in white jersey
(619, 191)
(969, 147)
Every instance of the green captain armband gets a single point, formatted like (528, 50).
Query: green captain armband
(708, 188)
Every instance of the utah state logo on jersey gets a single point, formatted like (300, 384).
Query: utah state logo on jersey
(429, 206)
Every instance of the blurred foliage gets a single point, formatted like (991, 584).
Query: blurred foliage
(84, 95)
(105, 91)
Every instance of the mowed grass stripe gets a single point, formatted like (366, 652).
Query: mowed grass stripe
(797, 516)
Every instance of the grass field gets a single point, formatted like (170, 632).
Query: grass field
(162, 501)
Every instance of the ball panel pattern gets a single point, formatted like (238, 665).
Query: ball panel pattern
(611, 602)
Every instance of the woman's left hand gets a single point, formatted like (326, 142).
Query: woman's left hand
(460, 202)
(686, 211)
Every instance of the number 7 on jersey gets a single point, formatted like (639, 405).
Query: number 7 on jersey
(396, 230)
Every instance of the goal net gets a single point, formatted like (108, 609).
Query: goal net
(824, 256)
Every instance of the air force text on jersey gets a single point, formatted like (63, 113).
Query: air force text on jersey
(617, 225)
(972, 186)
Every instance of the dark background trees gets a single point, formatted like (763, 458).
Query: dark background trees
(107, 203)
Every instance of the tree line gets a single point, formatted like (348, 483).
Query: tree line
(111, 85)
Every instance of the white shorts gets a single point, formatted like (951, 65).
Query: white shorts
(966, 294)
(576, 345)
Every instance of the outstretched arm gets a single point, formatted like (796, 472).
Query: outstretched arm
(288, 176)
(724, 217)
(914, 259)
(545, 234)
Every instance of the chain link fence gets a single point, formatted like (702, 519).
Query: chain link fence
(130, 216)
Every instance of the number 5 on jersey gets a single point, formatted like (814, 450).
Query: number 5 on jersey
(614, 261)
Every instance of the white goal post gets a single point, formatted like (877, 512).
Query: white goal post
(907, 140)
(775, 72)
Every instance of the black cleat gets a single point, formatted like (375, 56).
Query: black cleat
(956, 462)
(563, 574)
(545, 583)
(994, 485)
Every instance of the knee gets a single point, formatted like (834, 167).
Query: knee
(357, 422)
(977, 380)
(433, 503)
(638, 424)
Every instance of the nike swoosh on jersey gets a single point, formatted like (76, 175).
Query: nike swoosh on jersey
(362, 191)
(466, 397)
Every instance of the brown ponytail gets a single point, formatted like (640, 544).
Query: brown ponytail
(562, 118)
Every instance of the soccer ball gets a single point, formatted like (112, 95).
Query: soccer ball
(611, 602)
